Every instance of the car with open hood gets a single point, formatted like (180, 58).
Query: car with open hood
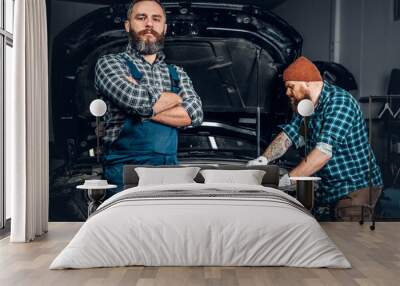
(234, 52)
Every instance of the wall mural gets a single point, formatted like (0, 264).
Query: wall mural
(235, 58)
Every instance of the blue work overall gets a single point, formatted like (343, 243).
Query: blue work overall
(141, 142)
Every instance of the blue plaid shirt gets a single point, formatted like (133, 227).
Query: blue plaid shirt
(338, 122)
(124, 98)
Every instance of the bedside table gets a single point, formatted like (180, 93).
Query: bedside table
(305, 188)
(96, 191)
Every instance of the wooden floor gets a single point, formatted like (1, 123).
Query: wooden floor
(375, 256)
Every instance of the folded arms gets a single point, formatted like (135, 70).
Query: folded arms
(114, 82)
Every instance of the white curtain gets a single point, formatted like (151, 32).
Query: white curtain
(27, 124)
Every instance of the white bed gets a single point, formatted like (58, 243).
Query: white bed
(245, 225)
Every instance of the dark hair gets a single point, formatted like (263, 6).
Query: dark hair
(134, 2)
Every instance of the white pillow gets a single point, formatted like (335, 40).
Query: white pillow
(249, 177)
(166, 176)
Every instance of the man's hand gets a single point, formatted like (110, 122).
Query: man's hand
(285, 181)
(176, 117)
(258, 161)
(167, 101)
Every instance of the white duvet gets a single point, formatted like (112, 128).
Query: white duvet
(183, 231)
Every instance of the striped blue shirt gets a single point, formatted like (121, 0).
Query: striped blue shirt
(338, 122)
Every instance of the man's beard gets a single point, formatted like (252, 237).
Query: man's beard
(146, 47)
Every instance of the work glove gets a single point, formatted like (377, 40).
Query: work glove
(285, 181)
(258, 161)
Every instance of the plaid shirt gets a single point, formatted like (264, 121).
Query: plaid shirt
(339, 123)
(125, 98)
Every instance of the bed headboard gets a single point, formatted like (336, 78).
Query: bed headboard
(270, 179)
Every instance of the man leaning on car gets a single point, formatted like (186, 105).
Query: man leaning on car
(147, 99)
(338, 140)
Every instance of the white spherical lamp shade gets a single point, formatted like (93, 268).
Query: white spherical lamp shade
(305, 107)
(98, 107)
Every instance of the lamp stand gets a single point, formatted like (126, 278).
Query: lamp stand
(98, 139)
(305, 138)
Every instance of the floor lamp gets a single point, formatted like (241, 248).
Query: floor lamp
(98, 108)
(305, 108)
(305, 185)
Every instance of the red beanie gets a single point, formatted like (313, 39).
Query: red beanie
(302, 69)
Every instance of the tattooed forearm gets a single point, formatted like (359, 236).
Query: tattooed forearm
(278, 147)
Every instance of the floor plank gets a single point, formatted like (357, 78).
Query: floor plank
(375, 257)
